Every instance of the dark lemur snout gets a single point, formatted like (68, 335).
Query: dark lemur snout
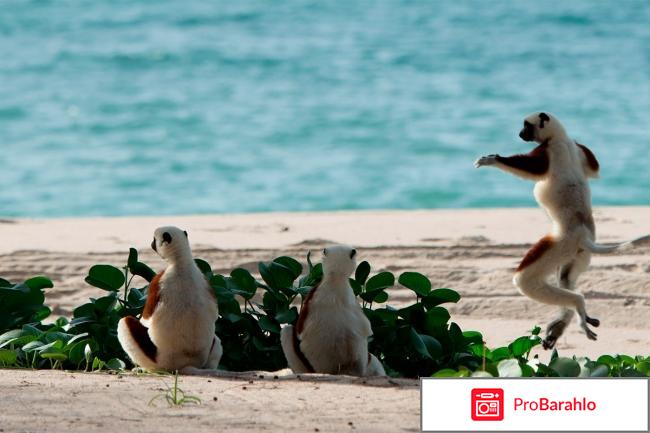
(528, 132)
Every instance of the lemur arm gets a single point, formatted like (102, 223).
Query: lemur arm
(589, 162)
(533, 165)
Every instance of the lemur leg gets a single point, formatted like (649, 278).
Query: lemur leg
(557, 326)
(286, 340)
(215, 354)
(532, 280)
(374, 367)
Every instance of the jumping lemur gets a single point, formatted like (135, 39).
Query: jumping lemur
(560, 167)
(331, 334)
(176, 331)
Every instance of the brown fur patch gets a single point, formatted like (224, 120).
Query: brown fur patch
(153, 296)
(141, 336)
(536, 252)
(591, 158)
(536, 162)
(304, 311)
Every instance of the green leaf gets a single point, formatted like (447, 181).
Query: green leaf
(133, 257)
(287, 316)
(565, 367)
(500, 353)
(437, 317)
(643, 367)
(433, 346)
(245, 282)
(269, 325)
(143, 271)
(39, 283)
(32, 346)
(56, 356)
(115, 364)
(481, 374)
(509, 368)
(105, 277)
(418, 344)
(607, 360)
(446, 372)
(416, 282)
(106, 303)
(98, 364)
(376, 295)
(523, 345)
(473, 337)
(292, 264)
(382, 280)
(8, 357)
(536, 330)
(356, 287)
(205, 269)
(440, 296)
(362, 272)
(600, 370)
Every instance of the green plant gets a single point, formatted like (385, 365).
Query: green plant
(176, 396)
(415, 340)
(22, 303)
(251, 336)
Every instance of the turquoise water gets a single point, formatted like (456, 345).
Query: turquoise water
(176, 107)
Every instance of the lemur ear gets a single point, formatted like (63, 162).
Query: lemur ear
(543, 117)
(185, 233)
(167, 238)
(353, 253)
(325, 252)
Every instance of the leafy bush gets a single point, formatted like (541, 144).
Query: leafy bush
(416, 340)
(23, 303)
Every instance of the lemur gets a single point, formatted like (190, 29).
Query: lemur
(560, 167)
(331, 334)
(176, 330)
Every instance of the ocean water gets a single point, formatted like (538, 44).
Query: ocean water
(139, 107)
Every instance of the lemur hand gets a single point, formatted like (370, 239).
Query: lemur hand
(485, 161)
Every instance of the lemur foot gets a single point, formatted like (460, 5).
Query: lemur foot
(593, 321)
(553, 332)
(485, 161)
(590, 334)
(549, 342)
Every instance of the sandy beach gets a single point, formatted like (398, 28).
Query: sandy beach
(471, 251)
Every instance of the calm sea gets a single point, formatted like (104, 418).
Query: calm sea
(140, 107)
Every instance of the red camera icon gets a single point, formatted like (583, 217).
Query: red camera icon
(487, 404)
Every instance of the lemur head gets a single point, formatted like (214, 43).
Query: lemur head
(339, 260)
(541, 127)
(171, 243)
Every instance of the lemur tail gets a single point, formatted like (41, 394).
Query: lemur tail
(595, 248)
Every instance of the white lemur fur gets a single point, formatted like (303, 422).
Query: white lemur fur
(331, 334)
(560, 167)
(176, 331)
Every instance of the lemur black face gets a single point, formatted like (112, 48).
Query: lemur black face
(167, 238)
(528, 132)
(353, 253)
